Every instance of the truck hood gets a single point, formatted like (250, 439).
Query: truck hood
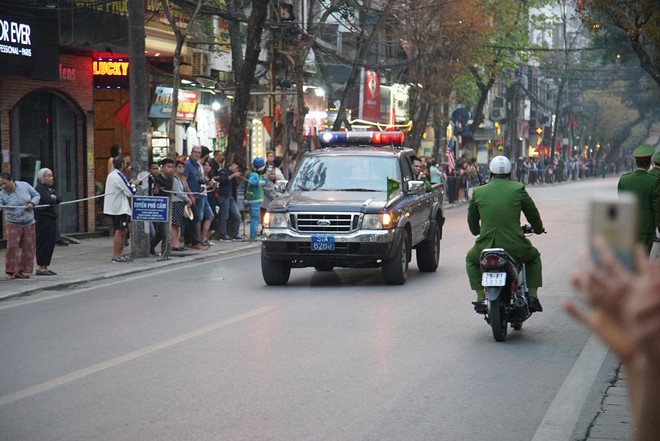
(357, 201)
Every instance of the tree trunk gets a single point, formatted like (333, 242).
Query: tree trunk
(244, 77)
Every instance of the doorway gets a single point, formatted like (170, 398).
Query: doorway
(44, 130)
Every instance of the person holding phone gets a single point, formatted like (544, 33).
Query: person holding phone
(623, 309)
(647, 189)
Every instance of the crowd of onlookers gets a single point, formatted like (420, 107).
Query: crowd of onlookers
(211, 197)
(467, 173)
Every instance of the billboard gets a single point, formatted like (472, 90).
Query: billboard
(162, 104)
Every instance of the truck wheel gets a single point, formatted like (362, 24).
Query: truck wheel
(428, 252)
(325, 267)
(395, 269)
(275, 272)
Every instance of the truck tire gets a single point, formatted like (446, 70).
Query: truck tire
(428, 251)
(324, 267)
(396, 268)
(274, 272)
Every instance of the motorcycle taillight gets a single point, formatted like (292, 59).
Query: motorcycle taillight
(492, 261)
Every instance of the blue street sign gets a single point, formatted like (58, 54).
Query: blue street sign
(150, 208)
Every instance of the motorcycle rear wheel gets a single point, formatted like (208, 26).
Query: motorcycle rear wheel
(497, 319)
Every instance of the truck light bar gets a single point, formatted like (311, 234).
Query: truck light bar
(361, 138)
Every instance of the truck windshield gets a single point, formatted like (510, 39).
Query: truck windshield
(345, 173)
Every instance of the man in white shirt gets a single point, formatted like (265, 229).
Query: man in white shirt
(117, 204)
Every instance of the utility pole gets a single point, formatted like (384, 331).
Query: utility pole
(138, 100)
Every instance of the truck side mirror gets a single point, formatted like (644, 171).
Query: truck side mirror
(416, 187)
(281, 185)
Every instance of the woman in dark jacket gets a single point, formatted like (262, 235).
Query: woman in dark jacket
(46, 218)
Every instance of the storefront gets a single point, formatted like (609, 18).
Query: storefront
(46, 112)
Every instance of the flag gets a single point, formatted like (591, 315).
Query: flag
(451, 161)
(392, 186)
(123, 114)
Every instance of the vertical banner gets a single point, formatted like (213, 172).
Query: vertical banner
(371, 96)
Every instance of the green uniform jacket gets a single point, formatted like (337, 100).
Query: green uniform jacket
(494, 215)
(655, 171)
(647, 188)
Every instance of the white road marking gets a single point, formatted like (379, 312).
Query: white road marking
(562, 416)
(77, 375)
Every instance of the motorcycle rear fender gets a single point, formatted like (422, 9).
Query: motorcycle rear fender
(493, 292)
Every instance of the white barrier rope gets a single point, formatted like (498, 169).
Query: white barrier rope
(75, 201)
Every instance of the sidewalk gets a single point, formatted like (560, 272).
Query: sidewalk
(89, 261)
(613, 421)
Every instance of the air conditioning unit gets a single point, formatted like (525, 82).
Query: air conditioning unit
(498, 113)
(200, 64)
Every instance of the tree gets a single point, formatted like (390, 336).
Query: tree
(438, 36)
(497, 56)
(244, 69)
(297, 52)
(639, 20)
(180, 36)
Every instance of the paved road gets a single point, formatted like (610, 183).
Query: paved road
(203, 350)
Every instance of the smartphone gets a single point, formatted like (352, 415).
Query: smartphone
(615, 219)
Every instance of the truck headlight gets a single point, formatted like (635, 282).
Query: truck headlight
(275, 220)
(378, 221)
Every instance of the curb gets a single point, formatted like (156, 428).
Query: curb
(185, 258)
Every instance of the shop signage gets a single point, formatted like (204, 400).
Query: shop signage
(162, 104)
(110, 68)
(28, 43)
(110, 73)
(150, 208)
(15, 38)
(67, 73)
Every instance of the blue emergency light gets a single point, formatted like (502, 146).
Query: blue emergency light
(361, 138)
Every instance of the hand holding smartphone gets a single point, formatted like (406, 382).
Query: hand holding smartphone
(615, 220)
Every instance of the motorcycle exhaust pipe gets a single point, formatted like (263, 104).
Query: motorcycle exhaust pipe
(520, 302)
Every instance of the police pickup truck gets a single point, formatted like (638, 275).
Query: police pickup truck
(354, 203)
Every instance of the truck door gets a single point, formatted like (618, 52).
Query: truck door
(419, 205)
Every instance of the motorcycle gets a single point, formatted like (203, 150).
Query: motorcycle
(505, 285)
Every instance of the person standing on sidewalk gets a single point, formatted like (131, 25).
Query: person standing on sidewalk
(180, 199)
(163, 184)
(116, 203)
(254, 194)
(194, 177)
(46, 218)
(18, 199)
(228, 188)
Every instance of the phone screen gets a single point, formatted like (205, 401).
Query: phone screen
(615, 219)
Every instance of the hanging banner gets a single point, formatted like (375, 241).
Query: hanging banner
(162, 104)
(371, 96)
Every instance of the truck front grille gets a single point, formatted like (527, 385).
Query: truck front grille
(324, 223)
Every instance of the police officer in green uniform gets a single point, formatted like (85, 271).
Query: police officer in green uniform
(655, 171)
(647, 189)
(494, 215)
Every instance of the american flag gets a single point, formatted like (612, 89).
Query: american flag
(451, 161)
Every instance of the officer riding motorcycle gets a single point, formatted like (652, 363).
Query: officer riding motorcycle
(494, 216)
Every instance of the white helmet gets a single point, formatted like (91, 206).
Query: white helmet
(500, 165)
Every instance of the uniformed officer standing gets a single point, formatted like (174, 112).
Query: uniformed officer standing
(647, 189)
(494, 215)
(655, 171)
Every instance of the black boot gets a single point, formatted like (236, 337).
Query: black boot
(535, 305)
(480, 307)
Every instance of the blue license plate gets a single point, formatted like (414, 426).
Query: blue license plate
(323, 242)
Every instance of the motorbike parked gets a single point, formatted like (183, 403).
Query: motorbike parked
(505, 285)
